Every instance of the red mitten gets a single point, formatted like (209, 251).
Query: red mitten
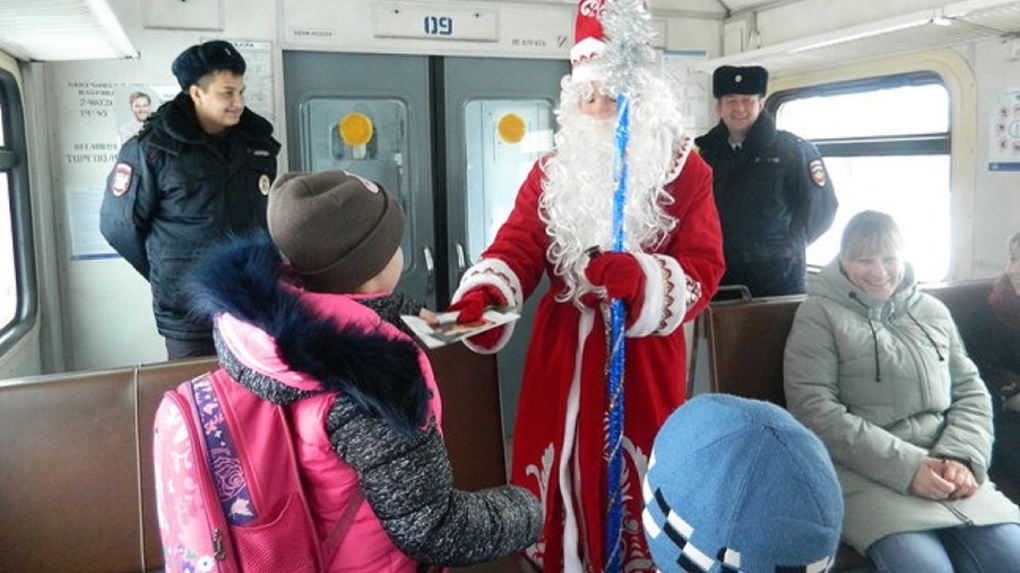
(474, 302)
(621, 275)
(487, 339)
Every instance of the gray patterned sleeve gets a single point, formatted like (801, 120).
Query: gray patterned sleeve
(408, 482)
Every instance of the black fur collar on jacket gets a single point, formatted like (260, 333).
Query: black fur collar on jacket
(243, 277)
(177, 121)
(762, 133)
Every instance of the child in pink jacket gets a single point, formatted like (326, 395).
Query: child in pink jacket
(307, 317)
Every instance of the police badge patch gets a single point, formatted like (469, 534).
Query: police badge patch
(817, 170)
(121, 181)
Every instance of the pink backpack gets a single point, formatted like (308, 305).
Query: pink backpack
(228, 493)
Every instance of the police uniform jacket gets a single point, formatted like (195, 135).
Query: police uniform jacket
(175, 191)
(774, 198)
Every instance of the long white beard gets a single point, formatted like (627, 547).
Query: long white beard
(578, 190)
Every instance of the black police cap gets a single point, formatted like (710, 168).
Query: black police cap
(746, 80)
(206, 58)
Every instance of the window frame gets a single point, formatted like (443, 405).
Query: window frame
(14, 162)
(895, 145)
(910, 144)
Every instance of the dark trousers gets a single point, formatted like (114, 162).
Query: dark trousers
(176, 348)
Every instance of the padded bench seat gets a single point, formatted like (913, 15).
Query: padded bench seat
(77, 488)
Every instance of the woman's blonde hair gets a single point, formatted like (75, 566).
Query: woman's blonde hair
(870, 232)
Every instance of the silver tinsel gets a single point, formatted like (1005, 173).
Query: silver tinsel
(628, 29)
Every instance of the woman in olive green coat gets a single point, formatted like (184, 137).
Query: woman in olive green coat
(877, 370)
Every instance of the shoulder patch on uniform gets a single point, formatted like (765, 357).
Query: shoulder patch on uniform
(817, 170)
(121, 181)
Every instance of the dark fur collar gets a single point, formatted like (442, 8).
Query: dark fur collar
(174, 126)
(243, 277)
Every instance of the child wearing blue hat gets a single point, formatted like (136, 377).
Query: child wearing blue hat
(739, 486)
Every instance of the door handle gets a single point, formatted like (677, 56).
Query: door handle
(461, 260)
(430, 270)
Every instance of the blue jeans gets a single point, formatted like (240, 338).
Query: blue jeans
(973, 549)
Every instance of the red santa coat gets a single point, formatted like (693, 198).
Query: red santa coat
(560, 428)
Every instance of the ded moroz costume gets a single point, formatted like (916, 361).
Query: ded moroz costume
(666, 273)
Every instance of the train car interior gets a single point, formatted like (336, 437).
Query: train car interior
(914, 105)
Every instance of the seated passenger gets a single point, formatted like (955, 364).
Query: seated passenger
(993, 340)
(738, 485)
(876, 368)
(309, 315)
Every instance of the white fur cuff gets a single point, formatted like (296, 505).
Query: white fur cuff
(665, 296)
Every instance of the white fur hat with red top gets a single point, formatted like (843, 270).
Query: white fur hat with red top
(587, 55)
(612, 43)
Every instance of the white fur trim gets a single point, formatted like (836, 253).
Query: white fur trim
(683, 150)
(651, 310)
(589, 72)
(571, 525)
(494, 273)
(665, 297)
(586, 50)
(678, 295)
(587, 61)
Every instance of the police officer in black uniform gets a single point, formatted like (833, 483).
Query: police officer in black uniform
(771, 188)
(199, 169)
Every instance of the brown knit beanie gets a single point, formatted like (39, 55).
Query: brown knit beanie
(336, 229)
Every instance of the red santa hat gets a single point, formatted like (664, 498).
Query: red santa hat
(589, 41)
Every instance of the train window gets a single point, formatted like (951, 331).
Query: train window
(503, 138)
(886, 143)
(17, 273)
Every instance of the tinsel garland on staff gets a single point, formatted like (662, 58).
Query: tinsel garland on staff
(628, 29)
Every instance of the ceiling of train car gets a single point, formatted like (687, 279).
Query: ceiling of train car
(924, 30)
(38, 30)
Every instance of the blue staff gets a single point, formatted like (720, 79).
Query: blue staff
(628, 28)
(614, 387)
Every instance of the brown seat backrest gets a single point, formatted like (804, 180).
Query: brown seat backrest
(76, 470)
(472, 415)
(746, 339)
(64, 507)
(965, 299)
(745, 346)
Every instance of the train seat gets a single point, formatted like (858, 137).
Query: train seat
(76, 448)
(746, 339)
(74, 460)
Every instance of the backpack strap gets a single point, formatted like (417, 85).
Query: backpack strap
(331, 544)
(343, 526)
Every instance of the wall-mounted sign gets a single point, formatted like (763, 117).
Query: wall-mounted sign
(397, 20)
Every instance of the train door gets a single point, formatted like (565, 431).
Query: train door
(365, 114)
(499, 120)
(453, 137)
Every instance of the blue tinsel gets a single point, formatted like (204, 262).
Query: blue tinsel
(628, 29)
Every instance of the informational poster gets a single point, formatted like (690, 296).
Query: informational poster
(98, 117)
(693, 86)
(1004, 131)
(258, 77)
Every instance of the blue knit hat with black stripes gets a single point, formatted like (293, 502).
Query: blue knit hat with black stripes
(738, 485)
